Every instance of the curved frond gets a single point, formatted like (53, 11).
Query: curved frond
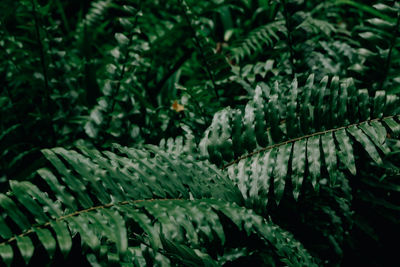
(310, 131)
(114, 193)
(257, 39)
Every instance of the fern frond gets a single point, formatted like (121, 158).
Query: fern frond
(257, 39)
(116, 215)
(93, 19)
(214, 63)
(306, 131)
(315, 26)
(117, 87)
(378, 37)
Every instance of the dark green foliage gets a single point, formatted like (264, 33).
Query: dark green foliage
(199, 133)
(150, 197)
(310, 124)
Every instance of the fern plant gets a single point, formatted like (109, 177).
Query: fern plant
(279, 127)
(306, 139)
(177, 203)
(155, 209)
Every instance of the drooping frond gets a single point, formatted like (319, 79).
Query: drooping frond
(138, 175)
(311, 130)
(165, 223)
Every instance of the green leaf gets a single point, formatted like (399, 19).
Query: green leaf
(291, 124)
(26, 247)
(121, 236)
(145, 223)
(254, 176)
(130, 9)
(48, 204)
(352, 101)
(73, 183)
(86, 169)
(379, 103)
(280, 171)
(380, 130)
(384, 8)
(6, 253)
(314, 159)
(5, 231)
(375, 136)
(342, 105)
(122, 176)
(63, 237)
(298, 166)
(107, 180)
(391, 106)
(242, 177)
(269, 162)
(121, 39)
(81, 225)
(273, 114)
(306, 113)
(260, 122)
(249, 138)
(14, 212)
(47, 239)
(27, 201)
(363, 104)
(261, 177)
(345, 153)
(382, 24)
(393, 126)
(320, 107)
(365, 8)
(366, 143)
(126, 23)
(329, 149)
(334, 98)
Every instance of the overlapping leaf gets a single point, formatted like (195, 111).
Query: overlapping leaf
(111, 203)
(311, 131)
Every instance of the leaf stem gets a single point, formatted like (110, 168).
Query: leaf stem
(301, 138)
(76, 213)
(44, 70)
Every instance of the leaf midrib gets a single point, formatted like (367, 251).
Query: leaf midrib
(99, 207)
(301, 138)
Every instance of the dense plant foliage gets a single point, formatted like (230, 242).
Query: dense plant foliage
(199, 133)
